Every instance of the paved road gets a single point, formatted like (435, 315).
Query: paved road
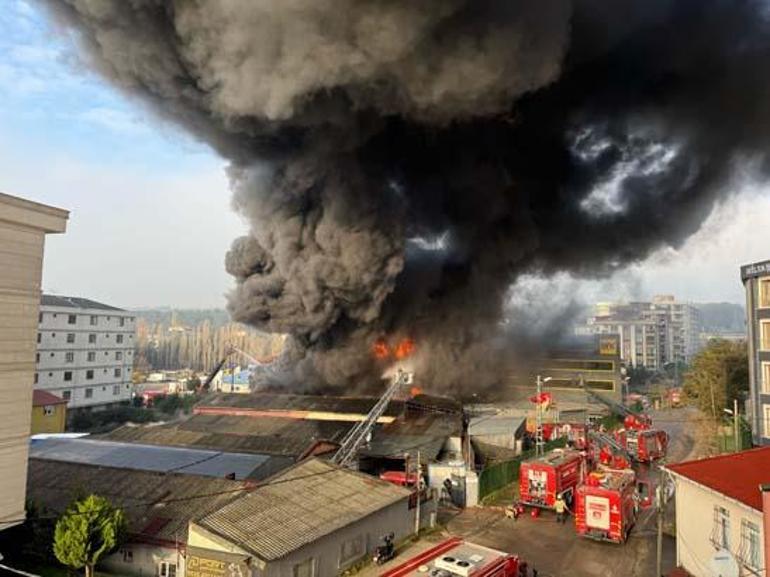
(556, 550)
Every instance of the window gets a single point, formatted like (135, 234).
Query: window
(37, 357)
(93, 324)
(720, 531)
(166, 569)
(53, 335)
(115, 389)
(119, 339)
(351, 550)
(764, 335)
(89, 375)
(749, 551)
(91, 339)
(66, 395)
(767, 421)
(117, 372)
(89, 392)
(305, 569)
(49, 410)
(70, 338)
(764, 292)
(69, 357)
(72, 319)
(765, 385)
(91, 356)
(40, 318)
(122, 321)
(67, 375)
(38, 337)
(36, 377)
(52, 355)
(118, 356)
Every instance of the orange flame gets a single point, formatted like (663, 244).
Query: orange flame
(404, 348)
(415, 391)
(380, 349)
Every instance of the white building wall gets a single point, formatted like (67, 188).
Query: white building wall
(695, 527)
(89, 361)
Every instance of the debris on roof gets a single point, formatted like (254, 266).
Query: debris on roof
(75, 302)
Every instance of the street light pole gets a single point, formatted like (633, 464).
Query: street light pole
(736, 431)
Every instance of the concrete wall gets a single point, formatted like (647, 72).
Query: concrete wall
(695, 526)
(23, 226)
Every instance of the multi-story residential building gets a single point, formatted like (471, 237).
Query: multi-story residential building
(652, 334)
(23, 226)
(756, 279)
(85, 351)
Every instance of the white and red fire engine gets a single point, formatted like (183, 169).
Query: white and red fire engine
(458, 558)
(543, 478)
(606, 505)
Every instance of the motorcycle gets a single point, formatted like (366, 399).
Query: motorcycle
(386, 551)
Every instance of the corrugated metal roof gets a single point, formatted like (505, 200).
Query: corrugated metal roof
(736, 475)
(75, 302)
(150, 457)
(496, 424)
(156, 505)
(275, 401)
(299, 506)
(263, 435)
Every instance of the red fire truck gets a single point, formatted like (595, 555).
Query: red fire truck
(644, 445)
(457, 558)
(542, 478)
(606, 505)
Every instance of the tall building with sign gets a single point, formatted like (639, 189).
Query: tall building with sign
(756, 280)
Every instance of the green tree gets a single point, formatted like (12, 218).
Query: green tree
(717, 375)
(88, 530)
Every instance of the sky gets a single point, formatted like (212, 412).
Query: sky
(150, 217)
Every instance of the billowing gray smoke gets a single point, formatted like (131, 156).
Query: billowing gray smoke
(401, 162)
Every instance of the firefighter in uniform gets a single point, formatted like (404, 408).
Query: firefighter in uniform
(561, 508)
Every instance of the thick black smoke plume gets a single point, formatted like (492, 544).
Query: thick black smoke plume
(402, 162)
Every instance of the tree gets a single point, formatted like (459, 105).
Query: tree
(718, 374)
(88, 530)
(193, 383)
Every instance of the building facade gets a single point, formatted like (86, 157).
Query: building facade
(719, 512)
(756, 280)
(85, 351)
(652, 334)
(23, 226)
(49, 413)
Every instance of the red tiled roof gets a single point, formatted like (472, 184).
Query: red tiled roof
(42, 398)
(735, 475)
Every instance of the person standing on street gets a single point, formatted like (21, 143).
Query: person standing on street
(561, 508)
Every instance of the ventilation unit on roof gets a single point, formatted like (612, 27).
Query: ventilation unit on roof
(456, 565)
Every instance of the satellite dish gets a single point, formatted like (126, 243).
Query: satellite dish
(723, 564)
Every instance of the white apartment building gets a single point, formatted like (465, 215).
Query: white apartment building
(85, 351)
(652, 334)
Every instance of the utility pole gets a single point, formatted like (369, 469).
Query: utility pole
(660, 501)
(418, 484)
(736, 428)
(539, 441)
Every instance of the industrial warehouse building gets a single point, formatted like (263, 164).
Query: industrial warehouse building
(313, 520)
(23, 227)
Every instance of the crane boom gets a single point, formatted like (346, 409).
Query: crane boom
(359, 434)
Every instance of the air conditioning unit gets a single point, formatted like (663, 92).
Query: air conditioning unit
(456, 565)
